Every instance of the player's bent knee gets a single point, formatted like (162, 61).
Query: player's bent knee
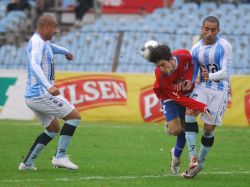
(51, 134)
(209, 128)
(176, 132)
(174, 127)
(74, 114)
(78, 115)
(192, 112)
(54, 126)
(208, 138)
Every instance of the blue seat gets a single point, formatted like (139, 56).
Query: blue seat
(227, 8)
(208, 7)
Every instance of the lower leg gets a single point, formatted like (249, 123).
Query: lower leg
(66, 135)
(41, 141)
(180, 144)
(191, 130)
(207, 141)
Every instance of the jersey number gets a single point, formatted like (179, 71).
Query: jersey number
(212, 68)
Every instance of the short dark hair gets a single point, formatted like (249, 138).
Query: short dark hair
(212, 19)
(161, 52)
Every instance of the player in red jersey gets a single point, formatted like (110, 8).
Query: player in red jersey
(173, 73)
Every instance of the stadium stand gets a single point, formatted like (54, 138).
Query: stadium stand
(95, 45)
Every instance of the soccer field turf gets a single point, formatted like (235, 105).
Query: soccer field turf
(119, 154)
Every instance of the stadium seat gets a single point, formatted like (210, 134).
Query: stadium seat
(227, 8)
(94, 45)
(208, 7)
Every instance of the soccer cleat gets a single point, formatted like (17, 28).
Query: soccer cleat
(23, 167)
(64, 162)
(192, 170)
(175, 163)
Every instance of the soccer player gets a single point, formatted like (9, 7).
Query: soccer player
(173, 73)
(43, 97)
(212, 55)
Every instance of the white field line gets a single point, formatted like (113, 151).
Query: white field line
(87, 178)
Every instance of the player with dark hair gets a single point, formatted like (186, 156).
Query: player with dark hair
(173, 73)
(43, 97)
(212, 55)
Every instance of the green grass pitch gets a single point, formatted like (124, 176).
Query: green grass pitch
(122, 154)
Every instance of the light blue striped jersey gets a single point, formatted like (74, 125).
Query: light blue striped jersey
(41, 65)
(216, 59)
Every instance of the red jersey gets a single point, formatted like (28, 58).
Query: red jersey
(164, 84)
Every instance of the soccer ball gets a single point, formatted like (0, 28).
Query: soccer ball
(147, 47)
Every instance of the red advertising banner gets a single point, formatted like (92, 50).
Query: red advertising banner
(150, 107)
(130, 6)
(92, 91)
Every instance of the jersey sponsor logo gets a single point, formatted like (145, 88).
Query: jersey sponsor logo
(150, 107)
(5, 83)
(93, 91)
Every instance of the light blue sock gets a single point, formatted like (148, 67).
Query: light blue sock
(63, 143)
(38, 148)
(207, 141)
(191, 143)
(203, 154)
(191, 131)
(66, 135)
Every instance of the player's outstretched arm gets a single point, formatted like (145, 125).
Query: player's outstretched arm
(185, 101)
(56, 49)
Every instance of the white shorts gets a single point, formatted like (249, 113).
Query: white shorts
(48, 107)
(216, 101)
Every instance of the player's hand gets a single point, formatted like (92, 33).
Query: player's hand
(207, 113)
(53, 91)
(204, 74)
(183, 86)
(178, 86)
(187, 85)
(69, 56)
